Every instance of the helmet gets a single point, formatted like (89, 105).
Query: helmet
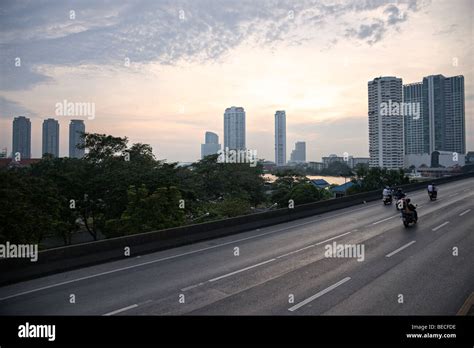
(408, 200)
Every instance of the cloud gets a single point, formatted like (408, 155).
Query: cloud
(165, 31)
(375, 31)
(10, 109)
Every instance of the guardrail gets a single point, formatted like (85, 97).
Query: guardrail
(75, 256)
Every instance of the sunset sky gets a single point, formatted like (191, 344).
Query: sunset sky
(189, 60)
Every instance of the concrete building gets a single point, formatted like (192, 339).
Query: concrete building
(386, 144)
(76, 128)
(234, 128)
(21, 139)
(298, 155)
(280, 138)
(50, 137)
(436, 159)
(331, 159)
(211, 145)
(354, 161)
(441, 123)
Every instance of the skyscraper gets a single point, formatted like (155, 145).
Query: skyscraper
(386, 144)
(76, 128)
(280, 138)
(415, 138)
(51, 137)
(211, 145)
(298, 155)
(21, 137)
(234, 128)
(441, 125)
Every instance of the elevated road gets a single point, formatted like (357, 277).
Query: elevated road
(426, 269)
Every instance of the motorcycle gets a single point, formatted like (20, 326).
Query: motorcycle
(387, 199)
(433, 195)
(399, 202)
(408, 219)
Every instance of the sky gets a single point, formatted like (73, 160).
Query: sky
(163, 72)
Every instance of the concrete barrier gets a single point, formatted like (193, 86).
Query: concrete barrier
(75, 256)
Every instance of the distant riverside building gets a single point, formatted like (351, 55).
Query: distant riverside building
(386, 136)
(51, 137)
(441, 125)
(76, 128)
(354, 161)
(280, 138)
(298, 155)
(234, 128)
(211, 145)
(21, 137)
(331, 159)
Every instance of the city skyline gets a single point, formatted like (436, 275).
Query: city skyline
(309, 59)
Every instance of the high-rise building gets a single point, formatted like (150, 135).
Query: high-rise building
(386, 144)
(298, 155)
(234, 128)
(280, 138)
(441, 123)
(51, 137)
(416, 140)
(211, 145)
(21, 137)
(76, 128)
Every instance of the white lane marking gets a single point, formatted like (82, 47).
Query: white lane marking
(327, 240)
(296, 251)
(377, 222)
(240, 270)
(262, 263)
(400, 249)
(191, 287)
(121, 310)
(442, 225)
(465, 212)
(454, 194)
(319, 294)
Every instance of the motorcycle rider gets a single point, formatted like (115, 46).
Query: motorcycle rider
(399, 193)
(387, 192)
(432, 188)
(410, 209)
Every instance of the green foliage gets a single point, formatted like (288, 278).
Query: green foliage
(118, 190)
(147, 212)
(370, 179)
(291, 185)
(29, 207)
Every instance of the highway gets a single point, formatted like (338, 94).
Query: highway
(426, 269)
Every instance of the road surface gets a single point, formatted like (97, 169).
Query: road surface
(426, 269)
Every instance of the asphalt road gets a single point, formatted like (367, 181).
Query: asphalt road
(283, 269)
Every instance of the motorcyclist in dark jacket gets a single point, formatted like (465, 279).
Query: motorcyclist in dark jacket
(410, 209)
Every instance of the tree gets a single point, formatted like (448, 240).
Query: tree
(147, 212)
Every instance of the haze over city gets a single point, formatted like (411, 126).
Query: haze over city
(165, 72)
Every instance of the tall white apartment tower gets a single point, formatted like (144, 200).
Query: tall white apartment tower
(234, 128)
(280, 138)
(386, 144)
